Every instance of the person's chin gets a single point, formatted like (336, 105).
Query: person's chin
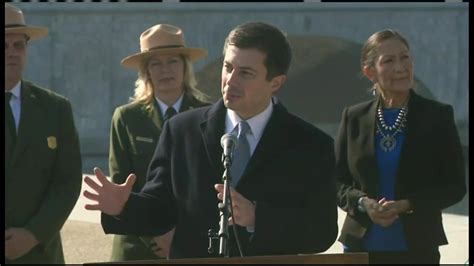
(228, 104)
(231, 103)
(402, 84)
(404, 88)
(13, 72)
(167, 83)
(13, 67)
(167, 88)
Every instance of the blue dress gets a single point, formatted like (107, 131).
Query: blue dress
(390, 238)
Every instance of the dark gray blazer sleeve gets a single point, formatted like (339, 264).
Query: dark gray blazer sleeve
(152, 211)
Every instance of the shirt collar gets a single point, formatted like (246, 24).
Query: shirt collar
(16, 90)
(257, 123)
(164, 106)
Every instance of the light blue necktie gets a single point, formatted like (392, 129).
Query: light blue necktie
(241, 154)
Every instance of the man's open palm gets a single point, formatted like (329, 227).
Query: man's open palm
(110, 198)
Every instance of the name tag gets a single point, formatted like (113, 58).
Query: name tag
(149, 140)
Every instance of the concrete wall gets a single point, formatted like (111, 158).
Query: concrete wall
(81, 57)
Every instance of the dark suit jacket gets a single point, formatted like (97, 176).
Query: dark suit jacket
(290, 177)
(430, 174)
(134, 134)
(43, 173)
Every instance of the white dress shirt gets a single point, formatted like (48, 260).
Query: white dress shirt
(257, 125)
(164, 106)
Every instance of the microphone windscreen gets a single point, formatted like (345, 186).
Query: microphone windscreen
(226, 138)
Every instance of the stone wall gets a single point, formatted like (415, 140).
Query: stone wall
(81, 56)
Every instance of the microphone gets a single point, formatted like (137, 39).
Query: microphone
(228, 143)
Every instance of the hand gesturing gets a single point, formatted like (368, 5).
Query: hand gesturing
(110, 198)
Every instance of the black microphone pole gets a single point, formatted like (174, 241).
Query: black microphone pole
(228, 143)
(224, 210)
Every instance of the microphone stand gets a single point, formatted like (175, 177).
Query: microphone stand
(224, 207)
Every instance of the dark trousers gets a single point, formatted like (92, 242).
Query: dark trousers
(430, 256)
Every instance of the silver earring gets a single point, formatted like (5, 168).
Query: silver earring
(374, 91)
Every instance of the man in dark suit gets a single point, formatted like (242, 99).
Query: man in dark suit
(283, 199)
(165, 85)
(42, 156)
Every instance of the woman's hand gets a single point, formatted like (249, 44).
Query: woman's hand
(380, 212)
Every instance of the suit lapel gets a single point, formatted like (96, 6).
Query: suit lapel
(270, 142)
(367, 140)
(413, 127)
(30, 118)
(212, 129)
(187, 103)
(152, 111)
(8, 148)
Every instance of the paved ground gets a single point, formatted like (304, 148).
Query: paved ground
(85, 241)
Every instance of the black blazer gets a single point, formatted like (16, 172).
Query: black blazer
(431, 170)
(290, 177)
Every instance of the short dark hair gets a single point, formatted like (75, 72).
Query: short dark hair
(267, 39)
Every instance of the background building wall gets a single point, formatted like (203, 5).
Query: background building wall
(81, 56)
